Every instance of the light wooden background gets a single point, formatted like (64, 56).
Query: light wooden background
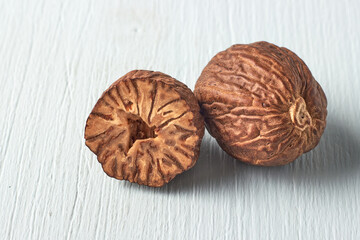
(56, 58)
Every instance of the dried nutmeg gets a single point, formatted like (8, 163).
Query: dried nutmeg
(145, 128)
(261, 103)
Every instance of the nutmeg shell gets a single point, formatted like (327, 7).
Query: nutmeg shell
(261, 103)
(145, 128)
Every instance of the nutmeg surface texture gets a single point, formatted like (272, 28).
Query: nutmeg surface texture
(261, 103)
(145, 128)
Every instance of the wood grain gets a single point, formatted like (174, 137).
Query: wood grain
(57, 57)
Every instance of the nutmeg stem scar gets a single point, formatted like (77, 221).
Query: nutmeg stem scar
(299, 114)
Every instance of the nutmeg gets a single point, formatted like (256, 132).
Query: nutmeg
(145, 128)
(261, 103)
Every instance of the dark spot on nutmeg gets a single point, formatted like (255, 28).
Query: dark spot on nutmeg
(167, 112)
(128, 104)
(121, 148)
(162, 96)
(153, 146)
(170, 142)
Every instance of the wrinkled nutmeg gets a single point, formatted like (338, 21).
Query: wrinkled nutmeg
(145, 128)
(261, 103)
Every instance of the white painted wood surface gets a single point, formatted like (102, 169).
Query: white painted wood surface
(56, 58)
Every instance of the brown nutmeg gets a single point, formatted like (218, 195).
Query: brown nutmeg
(261, 103)
(145, 128)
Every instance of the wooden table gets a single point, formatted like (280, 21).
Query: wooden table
(57, 57)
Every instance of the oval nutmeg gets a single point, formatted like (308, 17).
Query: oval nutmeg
(261, 103)
(145, 128)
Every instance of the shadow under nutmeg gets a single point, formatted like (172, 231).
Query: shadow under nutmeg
(212, 167)
(336, 158)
